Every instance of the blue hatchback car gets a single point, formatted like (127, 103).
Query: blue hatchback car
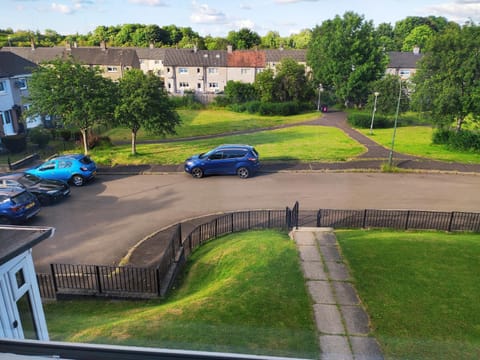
(74, 168)
(242, 160)
(17, 205)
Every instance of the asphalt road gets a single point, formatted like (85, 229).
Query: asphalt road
(101, 221)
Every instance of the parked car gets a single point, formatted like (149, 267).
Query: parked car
(17, 205)
(242, 160)
(46, 191)
(74, 168)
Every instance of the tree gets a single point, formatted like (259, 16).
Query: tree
(448, 78)
(388, 89)
(76, 94)
(243, 39)
(143, 102)
(345, 55)
(419, 36)
(291, 81)
(239, 92)
(265, 85)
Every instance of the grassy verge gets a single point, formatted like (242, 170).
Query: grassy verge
(301, 143)
(242, 293)
(417, 140)
(209, 122)
(421, 290)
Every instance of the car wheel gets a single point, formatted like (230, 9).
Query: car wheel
(243, 172)
(197, 173)
(78, 180)
(4, 220)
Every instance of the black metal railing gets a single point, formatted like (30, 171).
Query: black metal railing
(399, 219)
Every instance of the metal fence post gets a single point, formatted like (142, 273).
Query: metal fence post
(97, 273)
(406, 221)
(451, 221)
(216, 227)
(158, 282)
(364, 218)
(54, 279)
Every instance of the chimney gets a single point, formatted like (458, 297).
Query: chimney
(416, 50)
(103, 45)
(151, 46)
(32, 44)
(75, 44)
(195, 49)
(229, 49)
(68, 46)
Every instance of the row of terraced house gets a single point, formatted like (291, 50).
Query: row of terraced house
(204, 72)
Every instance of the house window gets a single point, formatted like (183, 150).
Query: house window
(213, 85)
(198, 70)
(199, 85)
(156, 62)
(21, 83)
(213, 70)
(3, 88)
(404, 73)
(184, 84)
(244, 71)
(6, 118)
(112, 69)
(183, 71)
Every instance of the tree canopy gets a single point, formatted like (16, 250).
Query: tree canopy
(78, 95)
(345, 55)
(447, 82)
(143, 102)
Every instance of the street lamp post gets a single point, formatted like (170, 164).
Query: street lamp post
(376, 93)
(320, 90)
(390, 156)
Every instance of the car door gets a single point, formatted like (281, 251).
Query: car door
(231, 158)
(214, 163)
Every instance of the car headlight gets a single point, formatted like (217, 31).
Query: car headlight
(52, 192)
(189, 163)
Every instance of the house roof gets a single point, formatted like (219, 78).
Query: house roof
(192, 57)
(86, 55)
(150, 53)
(36, 55)
(403, 59)
(278, 55)
(15, 240)
(12, 64)
(246, 58)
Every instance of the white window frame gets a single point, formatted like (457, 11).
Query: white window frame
(213, 85)
(3, 87)
(212, 70)
(183, 70)
(112, 69)
(183, 84)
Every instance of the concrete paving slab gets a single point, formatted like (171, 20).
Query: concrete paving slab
(335, 347)
(330, 253)
(337, 271)
(356, 320)
(313, 270)
(326, 238)
(305, 238)
(328, 319)
(321, 292)
(365, 348)
(345, 293)
(309, 253)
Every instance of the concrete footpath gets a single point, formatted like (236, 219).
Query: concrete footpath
(342, 322)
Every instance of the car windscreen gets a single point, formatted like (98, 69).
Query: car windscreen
(28, 180)
(22, 198)
(86, 160)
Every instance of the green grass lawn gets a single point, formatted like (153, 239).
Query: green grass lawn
(242, 293)
(417, 140)
(208, 122)
(421, 290)
(300, 143)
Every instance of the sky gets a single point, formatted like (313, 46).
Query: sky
(218, 17)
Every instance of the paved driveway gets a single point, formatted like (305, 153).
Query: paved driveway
(102, 220)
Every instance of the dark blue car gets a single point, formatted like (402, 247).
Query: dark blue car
(75, 168)
(241, 160)
(17, 205)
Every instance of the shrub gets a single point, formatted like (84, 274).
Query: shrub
(66, 134)
(441, 136)
(40, 136)
(464, 140)
(364, 121)
(15, 143)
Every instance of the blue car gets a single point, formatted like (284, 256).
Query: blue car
(241, 160)
(17, 205)
(75, 168)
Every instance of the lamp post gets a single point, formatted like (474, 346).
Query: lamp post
(320, 90)
(376, 93)
(390, 156)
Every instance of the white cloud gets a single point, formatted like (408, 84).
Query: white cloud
(245, 7)
(459, 11)
(203, 14)
(148, 2)
(244, 23)
(63, 9)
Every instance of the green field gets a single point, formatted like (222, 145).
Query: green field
(300, 143)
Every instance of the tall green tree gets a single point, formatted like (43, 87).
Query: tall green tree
(388, 89)
(265, 85)
(291, 81)
(243, 39)
(345, 55)
(76, 94)
(419, 36)
(448, 78)
(143, 102)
